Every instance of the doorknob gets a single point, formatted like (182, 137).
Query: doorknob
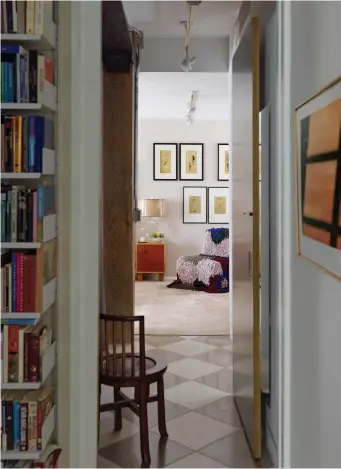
(250, 214)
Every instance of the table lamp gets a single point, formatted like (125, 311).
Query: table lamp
(152, 209)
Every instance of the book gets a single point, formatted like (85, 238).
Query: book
(30, 16)
(49, 457)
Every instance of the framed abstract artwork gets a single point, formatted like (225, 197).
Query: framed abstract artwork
(223, 162)
(218, 205)
(165, 162)
(318, 179)
(194, 205)
(191, 161)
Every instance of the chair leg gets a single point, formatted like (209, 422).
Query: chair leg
(161, 408)
(118, 411)
(144, 430)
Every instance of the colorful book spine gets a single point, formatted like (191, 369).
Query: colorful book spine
(16, 425)
(14, 282)
(31, 144)
(24, 426)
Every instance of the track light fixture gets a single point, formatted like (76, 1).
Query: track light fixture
(188, 62)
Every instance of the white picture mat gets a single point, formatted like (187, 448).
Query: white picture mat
(195, 191)
(199, 149)
(157, 173)
(327, 257)
(221, 162)
(218, 192)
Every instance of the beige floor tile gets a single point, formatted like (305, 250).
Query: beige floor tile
(109, 436)
(196, 431)
(196, 460)
(189, 348)
(193, 395)
(191, 368)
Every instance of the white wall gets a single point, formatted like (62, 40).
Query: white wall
(182, 239)
(315, 308)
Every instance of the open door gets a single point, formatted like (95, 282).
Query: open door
(246, 233)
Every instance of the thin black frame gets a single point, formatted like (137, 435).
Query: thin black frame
(219, 144)
(202, 162)
(183, 206)
(176, 163)
(208, 204)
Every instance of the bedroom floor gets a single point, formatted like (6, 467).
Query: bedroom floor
(181, 312)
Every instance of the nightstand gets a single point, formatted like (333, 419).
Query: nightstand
(150, 259)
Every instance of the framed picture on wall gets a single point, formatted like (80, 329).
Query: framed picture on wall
(318, 171)
(218, 205)
(194, 205)
(165, 161)
(223, 161)
(191, 161)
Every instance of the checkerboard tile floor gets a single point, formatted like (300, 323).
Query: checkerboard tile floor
(202, 422)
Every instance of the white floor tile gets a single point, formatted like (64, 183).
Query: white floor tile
(189, 348)
(109, 436)
(196, 460)
(196, 431)
(193, 395)
(191, 368)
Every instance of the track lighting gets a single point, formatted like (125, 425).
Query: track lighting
(188, 62)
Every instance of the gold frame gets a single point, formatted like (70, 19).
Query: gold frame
(296, 151)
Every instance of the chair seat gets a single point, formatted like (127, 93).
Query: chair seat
(127, 369)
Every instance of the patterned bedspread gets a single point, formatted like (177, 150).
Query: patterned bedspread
(202, 273)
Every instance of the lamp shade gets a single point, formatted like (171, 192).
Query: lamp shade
(153, 208)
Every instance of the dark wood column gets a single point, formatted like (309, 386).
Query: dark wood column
(118, 148)
(118, 192)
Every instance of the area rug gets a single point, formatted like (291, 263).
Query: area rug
(181, 312)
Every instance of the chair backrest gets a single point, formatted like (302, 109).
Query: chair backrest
(119, 355)
(216, 242)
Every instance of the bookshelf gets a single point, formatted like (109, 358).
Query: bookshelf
(28, 168)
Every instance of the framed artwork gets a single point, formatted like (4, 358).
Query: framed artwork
(218, 205)
(318, 181)
(195, 205)
(191, 161)
(165, 162)
(223, 161)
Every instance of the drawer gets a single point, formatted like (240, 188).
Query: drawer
(150, 258)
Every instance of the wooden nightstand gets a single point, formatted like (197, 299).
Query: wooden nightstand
(150, 259)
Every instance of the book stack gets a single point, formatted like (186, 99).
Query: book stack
(25, 17)
(23, 140)
(22, 350)
(23, 211)
(23, 416)
(23, 73)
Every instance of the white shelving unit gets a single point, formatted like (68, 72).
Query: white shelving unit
(47, 105)
(48, 362)
(47, 431)
(49, 297)
(49, 168)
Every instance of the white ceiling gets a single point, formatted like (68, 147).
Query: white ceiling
(165, 95)
(162, 18)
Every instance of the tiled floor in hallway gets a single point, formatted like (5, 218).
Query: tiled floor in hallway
(202, 422)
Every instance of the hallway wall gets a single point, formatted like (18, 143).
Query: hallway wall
(315, 311)
(181, 239)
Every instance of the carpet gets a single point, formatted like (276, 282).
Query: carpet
(181, 312)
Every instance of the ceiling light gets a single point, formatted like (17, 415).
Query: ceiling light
(187, 63)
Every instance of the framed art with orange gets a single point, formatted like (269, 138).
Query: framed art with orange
(318, 178)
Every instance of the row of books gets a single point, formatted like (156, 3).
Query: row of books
(23, 140)
(48, 458)
(19, 284)
(23, 275)
(23, 73)
(23, 415)
(25, 17)
(22, 350)
(23, 210)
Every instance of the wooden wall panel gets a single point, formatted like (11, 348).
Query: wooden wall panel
(117, 251)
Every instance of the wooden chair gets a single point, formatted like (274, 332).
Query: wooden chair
(120, 366)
